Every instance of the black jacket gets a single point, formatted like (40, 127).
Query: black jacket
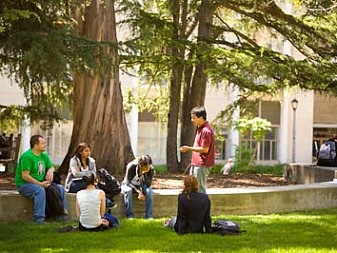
(131, 171)
(193, 214)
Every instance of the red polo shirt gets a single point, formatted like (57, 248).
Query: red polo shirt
(204, 138)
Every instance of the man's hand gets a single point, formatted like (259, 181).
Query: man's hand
(50, 175)
(45, 184)
(184, 149)
(141, 196)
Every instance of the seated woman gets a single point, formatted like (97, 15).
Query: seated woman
(90, 206)
(193, 210)
(80, 164)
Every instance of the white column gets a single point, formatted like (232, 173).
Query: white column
(25, 134)
(134, 129)
(234, 134)
(284, 134)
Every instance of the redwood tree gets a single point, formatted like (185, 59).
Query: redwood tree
(98, 113)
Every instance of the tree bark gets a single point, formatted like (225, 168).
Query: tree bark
(98, 113)
(177, 53)
(195, 89)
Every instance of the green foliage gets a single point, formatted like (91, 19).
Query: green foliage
(257, 126)
(216, 169)
(144, 99)
(243, 157)
(160, 168)
(40, 51)
(308, 231)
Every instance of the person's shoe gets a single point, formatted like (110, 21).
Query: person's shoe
(148, 218)
(166, 222)
(111, 205)
(62, 218)
(41, 222)
(66, 229)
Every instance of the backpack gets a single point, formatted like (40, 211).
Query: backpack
(108, 183)
(327, 153)
(54, 204)
(113, 221)
(226, 227)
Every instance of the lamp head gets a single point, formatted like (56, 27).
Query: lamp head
(294, 104)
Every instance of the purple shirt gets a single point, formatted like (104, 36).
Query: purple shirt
(204, 138)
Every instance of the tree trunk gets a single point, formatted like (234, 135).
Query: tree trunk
(195, 89)
(175, 87)
(98, 113)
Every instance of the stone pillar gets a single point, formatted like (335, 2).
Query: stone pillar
(25, 134)
(234, 134)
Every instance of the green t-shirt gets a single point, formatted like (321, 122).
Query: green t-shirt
(37, 165)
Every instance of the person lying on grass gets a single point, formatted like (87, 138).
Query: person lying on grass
(193, 210)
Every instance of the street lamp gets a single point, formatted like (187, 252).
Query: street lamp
(294, 104)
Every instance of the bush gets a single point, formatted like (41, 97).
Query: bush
(160, 168)
(216, 169)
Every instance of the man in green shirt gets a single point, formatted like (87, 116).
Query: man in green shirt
(34, 173)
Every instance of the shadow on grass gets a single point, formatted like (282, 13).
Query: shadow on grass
(313, 231)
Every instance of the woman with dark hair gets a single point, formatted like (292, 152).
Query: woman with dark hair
(193, 210)
(90, 205)
(80, 164)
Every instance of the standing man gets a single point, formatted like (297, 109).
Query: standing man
(138, 178)
(34, 173)
(203, 147)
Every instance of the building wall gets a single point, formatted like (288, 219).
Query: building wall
(325, 109)
(10, 93)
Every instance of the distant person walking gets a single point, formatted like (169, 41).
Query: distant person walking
(203, 147)
(227, 167)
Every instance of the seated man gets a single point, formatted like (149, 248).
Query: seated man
(138, 178)
(34, 173)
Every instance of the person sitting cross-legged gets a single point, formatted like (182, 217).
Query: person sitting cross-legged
(90, 206)
(34, 173)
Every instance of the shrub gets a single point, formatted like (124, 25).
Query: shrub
(216, 169)
(160, 168)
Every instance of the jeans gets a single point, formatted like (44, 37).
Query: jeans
(38, 194)
(201, 173)
(76, 186)
(127, 191)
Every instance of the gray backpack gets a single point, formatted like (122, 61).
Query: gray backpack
(327, 150)
(226, 227)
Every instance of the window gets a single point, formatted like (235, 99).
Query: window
(267, 149)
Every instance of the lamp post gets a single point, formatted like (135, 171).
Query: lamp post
(294, 104)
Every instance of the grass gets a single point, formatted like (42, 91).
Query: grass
(312, 231)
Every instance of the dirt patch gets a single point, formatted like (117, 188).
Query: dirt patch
(175, 181)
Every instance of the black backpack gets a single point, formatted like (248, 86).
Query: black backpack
(226, 227)
(54, 204)
(108, 183)
(327, 154)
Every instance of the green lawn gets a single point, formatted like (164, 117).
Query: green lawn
(314, 231)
